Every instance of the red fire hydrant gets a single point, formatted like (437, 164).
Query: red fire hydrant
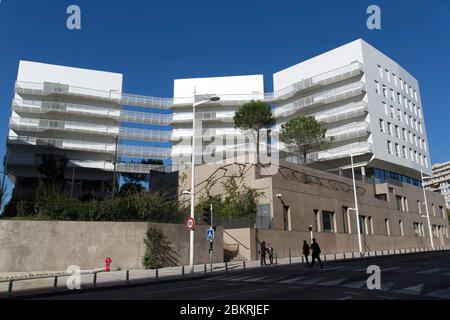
(108, 261)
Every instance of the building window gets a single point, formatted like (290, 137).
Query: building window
(398, 202)
(377, 87)
(385, 94)
(346, 220)
(389, 146)
(399, 115)
(420, 127)
(419, 206)
(424, 145)
(404, 134)
(392, 95)
(380, 71)
(397, 150)
(441, 209)
(389, 125)
(433, 210)
(395, 79)
(362, 224)
(400, 224)
(412, 154)
(316, 220)
(328, 221)
(401, 82)
(370, 227)
(415, 109)
(418, 113)
(405, 204)
(388, 229)
(426, 161)
(415, 95)
(435, 232)
(385, 108)
(406, 118)
(392, 112)
(416, 229)
(381, 125)
(399, 98)
(397, 131)
(388, 75)
(405, 154)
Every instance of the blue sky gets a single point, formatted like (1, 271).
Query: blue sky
(154, 42)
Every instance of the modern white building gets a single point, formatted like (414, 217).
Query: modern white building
(78, 114)
(369, 104)
(440, 180)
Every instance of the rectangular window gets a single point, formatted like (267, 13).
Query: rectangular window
(316, 220)
(399, 115)
(397, 150)
(406, 102)
(417, 157)
(404, 134)
(424, 145)
(426, 162)
(435, 232)
(433, 210)
(406, 118)
(389, 125)
(405, 204)
(392, 112)
(411, 122)
(415, 109)
(410, 137)
(420, 127)
(388, 229)
(385, 94)
(419, 113)
(388, 75)
(362, 224)
(415, 95)
(400, 224)
(405, 154)
(370, 227)
(401, 82)
(419, 206)
(416, 229)
(380, 71)
(415, 125)
(389, 146)
(392, 95)
(441, 209)
(394, 76)
(412, 154)
(415, 139)
(381, 125)
(377, 87)
(346, 220)
(399, 98)
(398, 202)
(397, 131)
(328, 221)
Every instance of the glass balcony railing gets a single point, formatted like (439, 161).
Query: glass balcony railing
(331, 95)
(144, 152)
(144, 134)
(146, 102)
(347, 111)
(41, 125)
(204, 116)
(321, 80)
(58, 89)
(145, 118)
(350, 131)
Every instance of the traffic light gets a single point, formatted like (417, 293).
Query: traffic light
(206, 216)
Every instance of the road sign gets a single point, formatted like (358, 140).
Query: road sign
(210, 234)
(190, 223)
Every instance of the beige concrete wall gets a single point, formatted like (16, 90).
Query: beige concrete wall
(55, 245)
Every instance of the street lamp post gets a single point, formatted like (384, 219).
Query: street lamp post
(426, 210)
(356, 205)
(192, 192)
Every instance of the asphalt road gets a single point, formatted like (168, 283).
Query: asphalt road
(409, 276)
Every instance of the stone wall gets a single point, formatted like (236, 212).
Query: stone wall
(55, 245)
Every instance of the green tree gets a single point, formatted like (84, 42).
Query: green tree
(157, 249)
(304, 134)
(254, 115)
(52, 169)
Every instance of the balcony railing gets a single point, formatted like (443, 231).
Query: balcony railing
(41, 125)
(348, 111)
(350, 131)
(144, 134)
(146, 118)
(320, 80)
(144, 152)
(342, 152)
(324, 97)
(58, 89)
(146, 102)
(204, 116)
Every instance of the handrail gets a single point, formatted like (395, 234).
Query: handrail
(239, 243)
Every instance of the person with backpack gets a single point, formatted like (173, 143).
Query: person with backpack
(306, 249)
(316, 253)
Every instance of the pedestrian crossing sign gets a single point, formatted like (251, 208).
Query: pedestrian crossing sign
(210, 234)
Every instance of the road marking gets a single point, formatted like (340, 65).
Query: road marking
(415, 290)
(334, 268)
(234, 294)
(256, 279)
(390, 269)
(444, 293)
(242, 278)
(349, 292)
(332, 282)
(312, 281)
(173, 289)
(434, 270)
(356, 284)
(345, 298)
(291, 280)
(386, 297)
(387, 286)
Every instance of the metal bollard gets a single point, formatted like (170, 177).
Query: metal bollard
(226, 266)
(205, 268)
(344, 255)
(157, 273)
(276, 259)
(55, 283)
(324, 257)
(335, 256)
(243, 264)
(95, 279)
(303, 259)
(10, 287)
(127, 276)
(353, 255)
(182, 271)
(290, 260)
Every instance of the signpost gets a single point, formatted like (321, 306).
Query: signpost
(210, 237)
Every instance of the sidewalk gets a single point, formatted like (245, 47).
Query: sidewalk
(25, 282)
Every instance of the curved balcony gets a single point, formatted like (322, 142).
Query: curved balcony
(42, 125)
(350, 131)
(348, 111)
(356, 148)
(320, 80)
(225, 100)
(144, 135)
(223, 116)
(65, 90)
(143, 152)
(145, 118)
(328, 96)
(146, 102)
(180, 134)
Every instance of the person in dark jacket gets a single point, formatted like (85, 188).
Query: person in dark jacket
(270, 252)
(306, 249)
(315, 253)
(262, 252)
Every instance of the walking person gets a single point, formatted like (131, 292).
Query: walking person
(270, 252)
(306, 249)
(316, 253)
(262, 252)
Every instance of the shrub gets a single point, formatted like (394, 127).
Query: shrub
(156, 247)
